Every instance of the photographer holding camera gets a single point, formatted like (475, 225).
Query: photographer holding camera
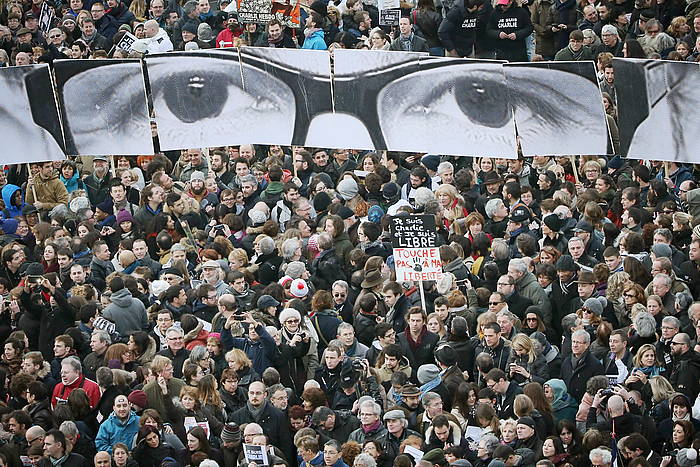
(258, 345)
(356, 380)
(296, 350)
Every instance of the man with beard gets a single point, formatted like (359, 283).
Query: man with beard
(220, 169)
(197, 189)
(233, 29)
(98, 183)
(419, 178)
(275, 37)
(282, 211)
(509, 27)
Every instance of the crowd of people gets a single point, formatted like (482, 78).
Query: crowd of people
(513, 30)
(185, 308)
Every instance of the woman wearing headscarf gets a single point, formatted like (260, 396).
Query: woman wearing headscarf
(564, 407)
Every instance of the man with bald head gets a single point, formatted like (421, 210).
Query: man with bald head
(685, 376)
(121, 426)
(618, 414)
(272, 420)
(103, 459)
(23, 58)
(35, 436)
(155, 39)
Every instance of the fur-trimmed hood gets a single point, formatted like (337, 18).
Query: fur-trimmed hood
(455, 433)
(150, 351)
(192, 335)
(44, 371)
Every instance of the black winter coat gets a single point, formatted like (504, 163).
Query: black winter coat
(326, 268)
(275, 425)
(576, 378)
(421, 355)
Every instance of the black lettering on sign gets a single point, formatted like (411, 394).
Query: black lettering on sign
(413, 232)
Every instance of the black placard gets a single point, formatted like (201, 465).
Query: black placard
(413, 232)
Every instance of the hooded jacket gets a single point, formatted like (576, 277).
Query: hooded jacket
(315, 41)
(8, 191)
(563, 405)
(455, 439)
(113, 430)
(126, 312)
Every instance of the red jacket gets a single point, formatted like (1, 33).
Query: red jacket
(61, 391)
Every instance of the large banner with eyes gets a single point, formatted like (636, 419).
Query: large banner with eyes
(374, 100)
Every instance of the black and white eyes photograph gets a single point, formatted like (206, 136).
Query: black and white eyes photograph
(36, 128)
(412, 102)
(558, 108)
(658, 108)
(198, 99)
(104, 107)
(296, 84)
(449, 106)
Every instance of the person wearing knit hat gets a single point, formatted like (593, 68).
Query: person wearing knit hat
(256, 218)
(661, 250)
(345, 213)
(230, 434)
(427, 373)
(430, 162)
(9, 226)
(595, 305)
(553, 222)
(321, 203)
(375, 214)
(299, 288)
(566, 263)
(196, 174)
(289, 314)
(138, 400)
(204, 32)
(348, 189)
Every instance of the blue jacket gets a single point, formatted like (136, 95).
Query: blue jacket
(73, 183)
(261, 352)
(315, 41)
(114, 431)
(11, 211)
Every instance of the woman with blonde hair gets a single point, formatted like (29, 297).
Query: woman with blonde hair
(525, 364)
(661, 393)
(243, 366)
(435, 325)
(682, 231)
(616, 286)
(452, 204)
(678, 28)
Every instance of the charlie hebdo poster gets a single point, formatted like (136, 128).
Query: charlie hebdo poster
(264, 11)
